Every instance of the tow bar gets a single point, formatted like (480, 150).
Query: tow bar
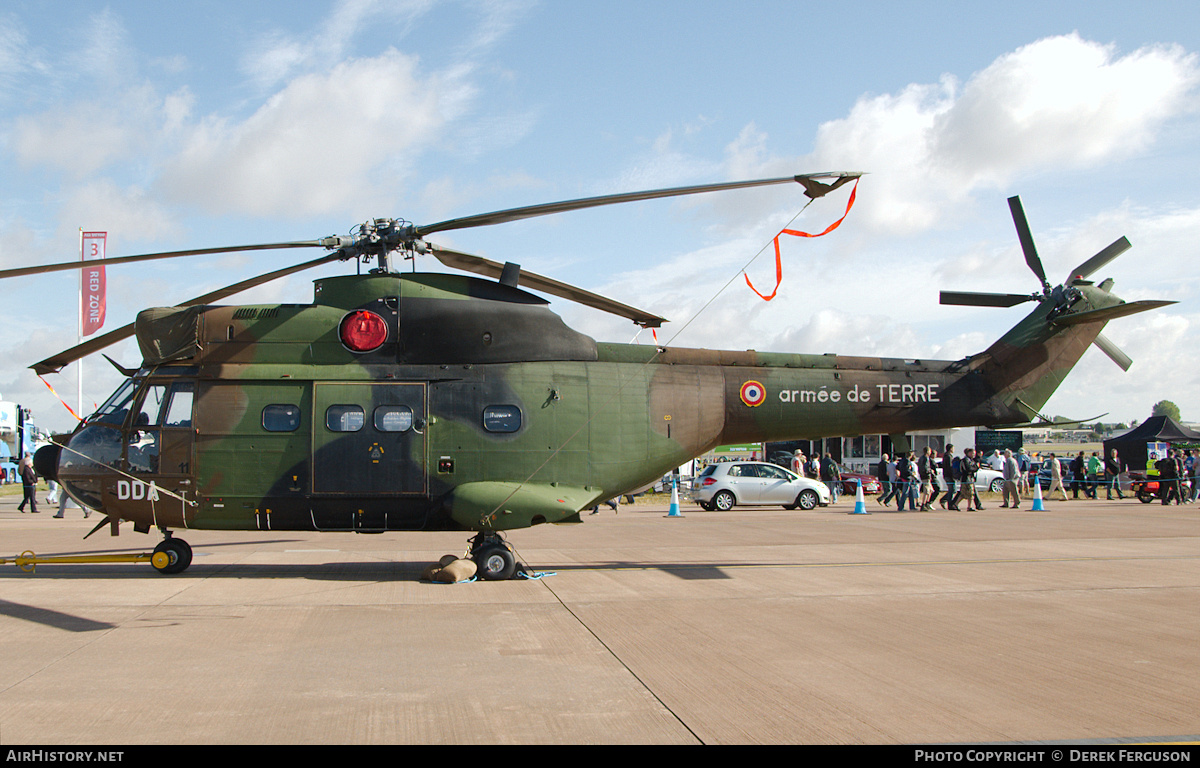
(27, 561)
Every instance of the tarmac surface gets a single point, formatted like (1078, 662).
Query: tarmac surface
(1079, 623)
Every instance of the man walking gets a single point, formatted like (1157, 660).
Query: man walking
(967, 467)
(948, 500)
(1011, 476)
(29, 480)
(1056, 480)
(1112, 475)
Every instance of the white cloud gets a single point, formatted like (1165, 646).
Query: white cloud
(86, 136)
(277, 57)
(1058, 103)
(327, 142)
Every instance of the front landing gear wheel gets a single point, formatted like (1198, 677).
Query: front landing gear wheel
(171, 556)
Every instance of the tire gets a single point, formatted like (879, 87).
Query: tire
(997, 485)
(171, 556)
(1144, 496)
(724, 501)
(808, 499)
(495, 563)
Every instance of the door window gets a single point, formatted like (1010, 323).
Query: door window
(344, 418)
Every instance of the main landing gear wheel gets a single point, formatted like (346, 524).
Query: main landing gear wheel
(171, 556)
(493, 557)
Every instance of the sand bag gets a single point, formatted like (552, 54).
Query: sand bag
(459, 570)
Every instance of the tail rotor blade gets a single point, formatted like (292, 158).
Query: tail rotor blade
(973, 299)
(1100, 259)
(1026, 238)
(1113, 351)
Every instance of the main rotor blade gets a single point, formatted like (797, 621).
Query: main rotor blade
(66, 357)
(67, 265)
(489, 268)
(812, 188)
(1113, 351)
(973, 299)
(1026, 238)
(1115, 249)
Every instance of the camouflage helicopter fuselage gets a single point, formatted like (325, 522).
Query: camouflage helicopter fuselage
(481, 410)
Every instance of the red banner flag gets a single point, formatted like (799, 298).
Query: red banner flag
(92, 296)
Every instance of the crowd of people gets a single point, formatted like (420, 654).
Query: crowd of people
(911, 479)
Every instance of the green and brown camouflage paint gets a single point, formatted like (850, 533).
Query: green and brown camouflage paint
(595, 419)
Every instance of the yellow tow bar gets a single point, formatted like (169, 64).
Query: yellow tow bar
(27, 560)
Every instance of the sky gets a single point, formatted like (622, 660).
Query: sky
(219, 123)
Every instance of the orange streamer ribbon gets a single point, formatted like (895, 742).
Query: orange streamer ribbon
(798, 233)
(64, 402)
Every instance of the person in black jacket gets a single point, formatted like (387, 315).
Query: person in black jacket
(29, 480)
(1168, 473)
(1112, 474)
(948, 500)
(1078, 476)
(968, 466)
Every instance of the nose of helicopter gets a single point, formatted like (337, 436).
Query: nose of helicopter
(81, 465)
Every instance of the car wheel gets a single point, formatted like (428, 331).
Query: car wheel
(997, 485)
(808, 499)
(724, 501)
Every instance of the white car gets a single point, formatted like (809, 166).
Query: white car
(986, 479)
(743, 483)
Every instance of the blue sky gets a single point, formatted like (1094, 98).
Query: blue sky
(218, 123)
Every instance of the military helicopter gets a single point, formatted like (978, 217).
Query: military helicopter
(433, 401)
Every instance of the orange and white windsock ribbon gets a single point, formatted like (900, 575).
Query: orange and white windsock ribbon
(798, 233)
(64, 402)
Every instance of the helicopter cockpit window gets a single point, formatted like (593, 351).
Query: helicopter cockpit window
(151, 403)
(502, 418)
(281, 418)
(116, 407)
(393, 418)
(344, 418)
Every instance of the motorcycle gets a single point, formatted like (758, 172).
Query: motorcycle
(1148, 488)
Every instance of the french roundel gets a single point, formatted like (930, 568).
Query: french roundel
(753, 393)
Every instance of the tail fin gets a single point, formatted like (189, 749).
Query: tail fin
(1026, 365)
(1029, 362)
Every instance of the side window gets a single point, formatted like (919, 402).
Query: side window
(501, 418)
(281, 418)
(179, 410)
(344, 418)
(393, 418)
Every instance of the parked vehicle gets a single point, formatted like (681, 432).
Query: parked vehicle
(986, 479)
(1147, 489)
(870, 483)
(725, 485)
